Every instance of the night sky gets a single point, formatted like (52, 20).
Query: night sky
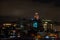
(49, 9)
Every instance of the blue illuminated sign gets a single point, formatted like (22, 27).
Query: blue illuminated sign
(35, 24)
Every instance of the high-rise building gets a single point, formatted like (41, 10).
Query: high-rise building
(37, 22)
(36, 16)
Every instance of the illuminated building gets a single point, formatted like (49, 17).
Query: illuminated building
(37, 23)
(36, 16)
(48, 24)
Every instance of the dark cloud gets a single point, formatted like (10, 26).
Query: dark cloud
(28, 8)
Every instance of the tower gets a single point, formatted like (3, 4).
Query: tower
(36, 15)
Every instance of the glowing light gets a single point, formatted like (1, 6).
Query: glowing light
(32, 34)
(38, 36)
(7, 24)
(32, 19)
(47, 37)
(46, 22)
(36, 15)
(21, 26)
(15, 25)
(35, 24)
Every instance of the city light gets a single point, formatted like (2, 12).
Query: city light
(35, 24)
(7, 24)
(47, 37)
(29, 20)
(15, 25)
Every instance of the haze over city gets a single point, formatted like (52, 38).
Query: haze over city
(47, 9)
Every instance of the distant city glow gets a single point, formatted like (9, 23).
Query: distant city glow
(6, 24)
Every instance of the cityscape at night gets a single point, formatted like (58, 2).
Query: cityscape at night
(29, 19)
